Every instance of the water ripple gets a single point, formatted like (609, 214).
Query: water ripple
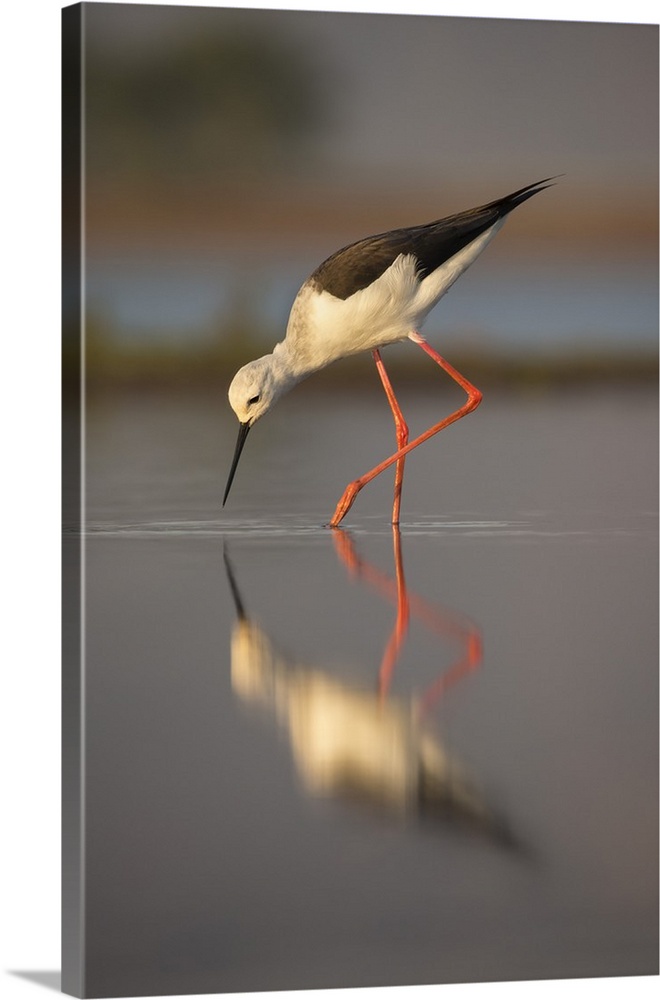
(295, 526)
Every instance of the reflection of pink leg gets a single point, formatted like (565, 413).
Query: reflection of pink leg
(465, 664)
(393, 648)
(445, 623)
(474, 398)
(395, 590)
(401, 433)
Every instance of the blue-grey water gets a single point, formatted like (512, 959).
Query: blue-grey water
(278, 797)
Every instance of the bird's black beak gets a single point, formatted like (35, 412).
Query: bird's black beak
(242, 435)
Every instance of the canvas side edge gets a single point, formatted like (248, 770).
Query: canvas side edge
(72, 417)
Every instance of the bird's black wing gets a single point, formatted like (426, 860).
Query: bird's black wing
(356, 266)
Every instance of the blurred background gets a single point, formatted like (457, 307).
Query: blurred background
(229, 151)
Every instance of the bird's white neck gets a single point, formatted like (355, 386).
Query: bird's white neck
(287, 369)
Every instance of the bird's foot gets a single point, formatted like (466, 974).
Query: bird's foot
(345, 503)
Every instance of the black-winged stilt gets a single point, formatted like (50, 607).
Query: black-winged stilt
(369, 294)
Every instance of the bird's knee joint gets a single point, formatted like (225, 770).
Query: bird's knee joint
(475, 398)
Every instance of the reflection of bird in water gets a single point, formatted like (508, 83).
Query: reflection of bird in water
(355, 743)
(375, 292)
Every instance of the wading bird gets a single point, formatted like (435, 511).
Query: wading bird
(375, 292)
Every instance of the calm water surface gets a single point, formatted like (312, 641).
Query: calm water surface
(333, 759)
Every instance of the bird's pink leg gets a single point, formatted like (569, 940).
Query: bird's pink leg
(401, 433)
(473, 400)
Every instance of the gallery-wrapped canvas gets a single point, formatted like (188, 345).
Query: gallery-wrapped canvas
(301, 750)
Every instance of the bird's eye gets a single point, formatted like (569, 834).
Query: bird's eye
(255, 399)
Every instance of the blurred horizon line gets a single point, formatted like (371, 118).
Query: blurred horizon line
(249, 209)
(111, 365)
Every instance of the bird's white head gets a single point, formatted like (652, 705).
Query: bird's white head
(253, 390)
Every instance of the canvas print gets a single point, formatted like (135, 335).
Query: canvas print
(359, 366)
